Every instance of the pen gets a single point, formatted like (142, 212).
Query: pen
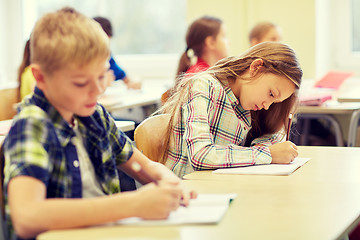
(137, 168)
(288, 128)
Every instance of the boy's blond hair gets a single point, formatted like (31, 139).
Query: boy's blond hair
(67, 37)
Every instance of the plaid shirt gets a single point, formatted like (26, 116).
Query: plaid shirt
(39, 145)
(211, 130)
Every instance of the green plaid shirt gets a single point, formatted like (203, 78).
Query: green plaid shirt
(39, 145)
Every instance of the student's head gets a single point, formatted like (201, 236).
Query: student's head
(205, 35)
(105, 24)
(69, 57)
(263, 32)
(264, 79)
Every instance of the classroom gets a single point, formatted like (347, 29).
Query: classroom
(162, 106)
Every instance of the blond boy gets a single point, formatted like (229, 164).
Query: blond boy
(64, 152)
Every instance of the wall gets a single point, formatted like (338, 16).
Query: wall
(11, 37)
(296, 18)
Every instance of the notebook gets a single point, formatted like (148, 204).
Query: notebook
(266, 169)
(205, 209)
(314, 100)
(333, 80)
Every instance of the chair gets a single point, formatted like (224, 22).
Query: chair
(149, 135)
(8, 97)
(3, 229)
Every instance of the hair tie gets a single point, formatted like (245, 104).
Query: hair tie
(191, 55)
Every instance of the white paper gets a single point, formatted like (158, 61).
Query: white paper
(266, 169)
(207, 208)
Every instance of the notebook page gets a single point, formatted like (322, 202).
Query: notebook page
(266, 169)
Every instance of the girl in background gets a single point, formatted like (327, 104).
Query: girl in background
(263, 32)
(206, 43)
(26, 79)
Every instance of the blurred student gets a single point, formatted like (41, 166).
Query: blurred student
(119, 73)
(234, 114)
(206, 43)
(26, 79)
(263, 32)
(64, 153)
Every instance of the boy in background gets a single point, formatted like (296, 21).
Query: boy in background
(64, 154)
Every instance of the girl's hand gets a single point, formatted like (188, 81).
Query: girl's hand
(284, 152)
(157, 201)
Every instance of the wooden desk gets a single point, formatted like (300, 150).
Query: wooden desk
(321, 200)
(117, 97)
(327, 112)
(350, 91)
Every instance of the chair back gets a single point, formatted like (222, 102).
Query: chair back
(149, 135)
(8, 97)
(3, 228)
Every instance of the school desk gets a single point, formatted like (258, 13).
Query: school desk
(327, 112)
(350, 91)
(117, 97)
(320, 200)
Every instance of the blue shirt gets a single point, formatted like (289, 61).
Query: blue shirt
(39, 145)
(118, 72)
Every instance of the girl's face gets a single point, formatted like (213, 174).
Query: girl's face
(221, 43)
(262, 91)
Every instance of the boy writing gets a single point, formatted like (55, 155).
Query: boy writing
(64, 154)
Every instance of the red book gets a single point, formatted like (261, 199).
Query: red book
(333, 80)
(314, 100)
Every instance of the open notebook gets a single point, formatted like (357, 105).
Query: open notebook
(266, 169)
(206, 209)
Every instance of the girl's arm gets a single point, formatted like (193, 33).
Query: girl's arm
(32, 213)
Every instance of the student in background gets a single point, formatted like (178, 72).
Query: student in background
(234, 114)
(117, 70)
(26, 79)
(263, 32)
(64, 153)
(206, 43)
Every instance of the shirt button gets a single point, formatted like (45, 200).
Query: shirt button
(76, 163)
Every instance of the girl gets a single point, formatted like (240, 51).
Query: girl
(206, 43)
(234, 113)
(25, 78)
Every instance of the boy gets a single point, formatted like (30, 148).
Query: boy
(63, 151)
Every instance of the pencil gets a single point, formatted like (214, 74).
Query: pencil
(288, 128)
(137, 168)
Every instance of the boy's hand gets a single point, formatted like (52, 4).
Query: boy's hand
(284, 152)
(157, 201)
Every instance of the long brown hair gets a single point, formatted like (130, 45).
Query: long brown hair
(25, 63)
(278, 59)
(196, 34)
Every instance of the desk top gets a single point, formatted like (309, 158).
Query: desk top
(118, 97)
(318, 201)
